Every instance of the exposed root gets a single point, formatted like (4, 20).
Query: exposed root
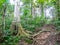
(20, 29)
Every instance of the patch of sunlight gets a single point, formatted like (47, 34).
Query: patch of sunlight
(48, 14)
(12, 2)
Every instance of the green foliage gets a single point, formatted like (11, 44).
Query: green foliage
(9, 39)
(27, 21)
(30, 23)
(26, 1)
(1, 2)
(8, 21)
(42, 1)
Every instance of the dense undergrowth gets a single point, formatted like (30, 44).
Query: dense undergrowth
(28, 23)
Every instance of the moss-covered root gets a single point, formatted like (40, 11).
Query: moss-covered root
(21, 31)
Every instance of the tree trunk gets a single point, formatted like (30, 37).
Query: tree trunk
(16, 25)
(3, 18)
(33, 9)
(42, 9)
(17, 11)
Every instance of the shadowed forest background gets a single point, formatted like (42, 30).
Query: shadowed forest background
(29, 22)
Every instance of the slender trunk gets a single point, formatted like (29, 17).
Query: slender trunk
(57, 5)
(33, 11)
(31, 6)
(3, 18)
(39, 9)
(42, 9)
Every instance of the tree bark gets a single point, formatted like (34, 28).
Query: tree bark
(17, 11)
(16, 25)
